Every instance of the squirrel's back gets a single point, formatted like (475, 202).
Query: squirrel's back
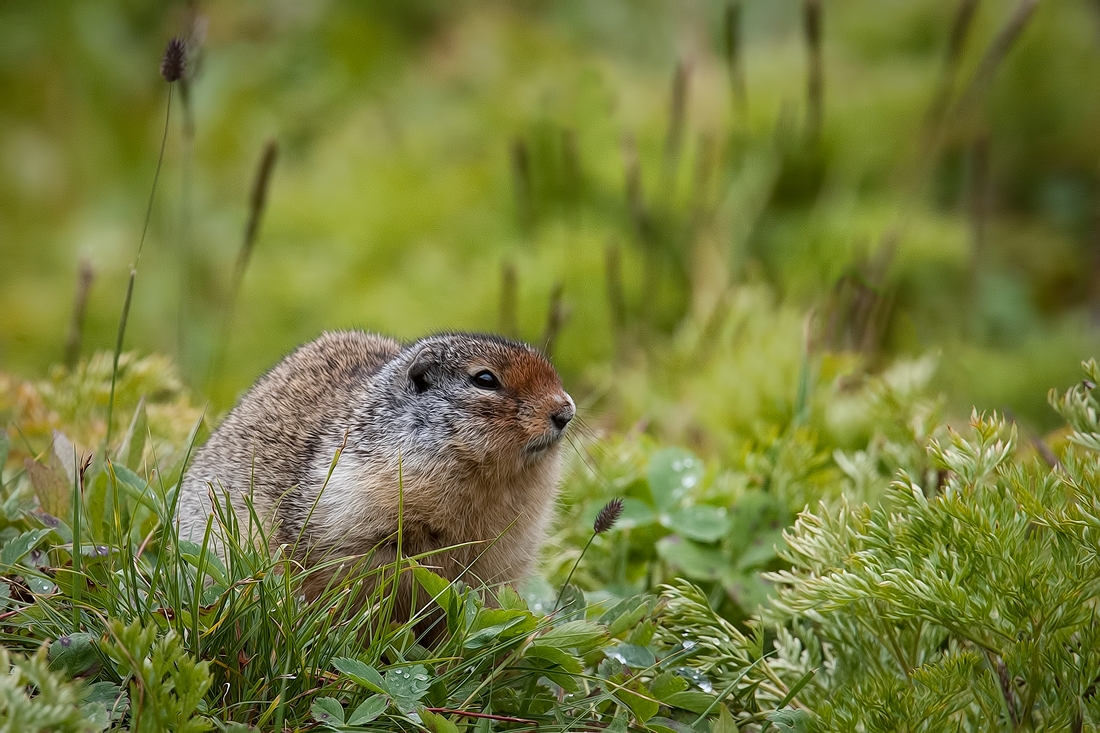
(269, 443)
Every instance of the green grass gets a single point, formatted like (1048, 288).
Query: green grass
(171, 634)
(773, 334)
(697, 610)
(394, 200)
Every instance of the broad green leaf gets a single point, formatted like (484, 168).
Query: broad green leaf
(496, 634)
(696, 561)
(212, 565)
(564, 680)
(211, 594)
(619, 724)
(495, 617)
(40, 586)
(437, 586)
(725, 722)
(97, 714)
(407, 685)
(628, 620)
(635, 697)
(361, 674)
(5, 595)
(53, 490)
(572, 604)
(789, 720)
(668, 725)
(667, 683)
(18, 547)
(584, 636)
(761, 550)
(673, 472)
(370, 709)
(748, 589)
(437, 723)
(134, 486)
(694, 677)
(510, 600)
(633, 656)
(13, 509)
(73, 654)
(98, 504)
(699, 522)
(133, 445)
(494, 625)
(754, 513)
(608, 669)
(554, 655)
(693, 700)
(617, 609)
(642, 634)
(327, 711)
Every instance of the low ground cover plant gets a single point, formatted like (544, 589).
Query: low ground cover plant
(944, 578)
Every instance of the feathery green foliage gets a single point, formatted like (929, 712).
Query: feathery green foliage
(175, 637)
(968, 603)
(35, 698)
(960, 594)
(767, 274)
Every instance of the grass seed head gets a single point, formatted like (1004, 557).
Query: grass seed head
(174, 62)
(607, 517)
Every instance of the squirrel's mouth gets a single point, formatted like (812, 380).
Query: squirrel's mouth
(543, 443)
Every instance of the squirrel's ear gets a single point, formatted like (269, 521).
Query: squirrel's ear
(423, 372)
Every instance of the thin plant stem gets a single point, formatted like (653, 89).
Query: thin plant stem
(75, 338)
(133, 273)
(257, 205)
(569, 577)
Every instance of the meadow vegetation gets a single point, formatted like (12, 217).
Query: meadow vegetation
(809, 269)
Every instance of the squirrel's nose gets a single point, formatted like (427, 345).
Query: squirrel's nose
(563, 414)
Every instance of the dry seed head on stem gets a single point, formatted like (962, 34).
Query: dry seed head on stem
(605, 520)
(607, 517)
(172, 66)
(174, 62)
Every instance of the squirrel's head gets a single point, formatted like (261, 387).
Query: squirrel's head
(487, 401)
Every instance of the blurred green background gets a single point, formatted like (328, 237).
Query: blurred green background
(721, 235)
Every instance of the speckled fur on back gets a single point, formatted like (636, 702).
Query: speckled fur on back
(472, 462)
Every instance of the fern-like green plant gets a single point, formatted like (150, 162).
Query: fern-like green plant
(971, 605)
(166, 684)
(35, 698)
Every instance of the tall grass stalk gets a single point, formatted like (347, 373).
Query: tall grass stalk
(522, 184)
(815, 77)
(960, 32)
(994, 56)
(604, 521)
(173, 64)
(509, 299)
(734, 52)
(187, 166)
(674, 136)
(556, 317)
(261, 183)
(616, 299)
(75, 338)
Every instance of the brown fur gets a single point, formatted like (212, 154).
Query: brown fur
(466, 465)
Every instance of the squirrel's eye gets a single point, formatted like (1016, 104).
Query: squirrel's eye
(485, 380)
